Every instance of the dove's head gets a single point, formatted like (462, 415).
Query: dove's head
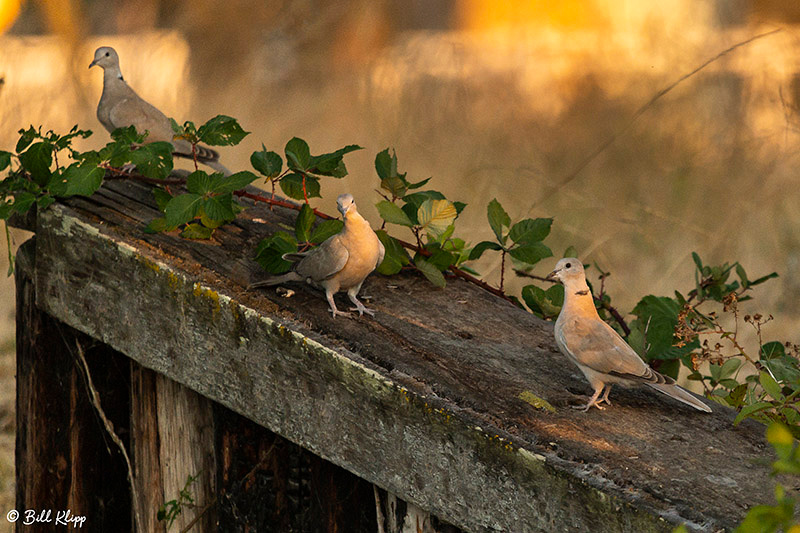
(567, 270)
(345, 203)
(105, 57)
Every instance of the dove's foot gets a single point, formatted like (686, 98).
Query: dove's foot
(127, 168)
(362, 309)
(336, 312)
(584, 408)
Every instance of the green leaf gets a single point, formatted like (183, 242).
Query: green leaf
(234, 182)
(540, 302)
(221, 131)
(162, 198)
(6, 209)
(441, 259)
(393, 214)
(433, 274)
(325, 230)
(80, 179)
(270, 252)
(395, 257)
(478, 249)
(5, 160)
(419, 184)
(198, 182)
(181, 209)
(298, 154)
(219, 207)
(529, 231)
(386, 165)
(127, 135)
(762, 279)
(498, 219)
(729, 367)
(158, 225)
(771, 350)
(771, 386)
(153, 160)
(196, 231)
(23, 201)
(435, 216)
(395, 185)
(697, 261)
(659, 315)
(267, 163)
(415, 200)
(571, 251)
(292, 186)
(37, 160)
(530, 253)
(331, 164)
(25, 139)
(750, 410)
(302, 226)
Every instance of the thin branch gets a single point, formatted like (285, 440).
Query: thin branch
(93, 396)
(639, 112)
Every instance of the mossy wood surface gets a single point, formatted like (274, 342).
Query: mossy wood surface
(452, 399)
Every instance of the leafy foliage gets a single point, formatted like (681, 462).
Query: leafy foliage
(170, 510)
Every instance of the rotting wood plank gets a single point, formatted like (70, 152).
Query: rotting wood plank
(423, 400)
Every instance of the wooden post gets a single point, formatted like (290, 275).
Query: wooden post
(64, 461)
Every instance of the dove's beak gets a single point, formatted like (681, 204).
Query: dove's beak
(552, 275)
(93, 63)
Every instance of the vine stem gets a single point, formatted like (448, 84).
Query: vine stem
(502, 269)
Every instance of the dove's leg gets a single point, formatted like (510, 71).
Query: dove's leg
(605, 395)
(592, 401)
(329, 295)
(352, 294)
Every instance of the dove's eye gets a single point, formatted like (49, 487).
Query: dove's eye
(108, 54)
(569, 265)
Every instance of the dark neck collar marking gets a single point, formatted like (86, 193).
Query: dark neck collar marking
(584, 292)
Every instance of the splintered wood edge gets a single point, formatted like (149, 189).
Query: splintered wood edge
(422, 449)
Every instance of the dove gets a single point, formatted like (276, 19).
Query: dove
(120, 107)
(342, 262)
(597, 350)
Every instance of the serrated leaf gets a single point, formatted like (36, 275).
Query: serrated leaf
(219, 207)
(5, 160)
(158, 225)
(395, 185)
(529, 231)
(498, 219)
(749, 410)
(386, 165)
(25, 139)
(297, 153)
(302, 226)
(729, 367)
(530, 253)
(267, 163)
(571, 251)
(433, 274)
(698, 263)
(762, 279)
(325, 230)
(417, 185)
(153, 160)
(771, 386)
(198, 182)
(6, 209)
(81, 179)
(196, 231)
(392, 214)
(270, 252)
(181, 209)
(234, 182)
(395, 257)
(292, 186)
(435, 216)
(221, 130)
(332, 164)
(659, 315)
(162, 198)
(37, 160)
(478, 249)
(415, 200)
(441, 259)
(23, 201)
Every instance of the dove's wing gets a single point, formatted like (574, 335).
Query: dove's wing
(323, 261)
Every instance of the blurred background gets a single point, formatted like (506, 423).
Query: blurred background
(502, 99)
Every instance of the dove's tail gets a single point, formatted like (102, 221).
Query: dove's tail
(276, 280)
(204, 154)
(681, 395)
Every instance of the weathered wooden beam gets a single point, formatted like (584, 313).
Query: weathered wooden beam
(453, 400)
(63, 458)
